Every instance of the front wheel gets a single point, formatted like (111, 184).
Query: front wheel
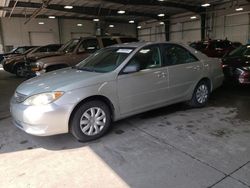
(90, 121)
(21, 71)
(200, 95)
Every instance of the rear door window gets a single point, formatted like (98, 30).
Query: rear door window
(175, 55)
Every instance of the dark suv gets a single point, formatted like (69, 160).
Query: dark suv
(74, 52)
(214, 48)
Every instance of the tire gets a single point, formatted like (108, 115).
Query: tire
(84, 126)
(201, 95)
(20, 71)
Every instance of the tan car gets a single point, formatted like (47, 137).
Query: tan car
(74, 52)
(112, 84)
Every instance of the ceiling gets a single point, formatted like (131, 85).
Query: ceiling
(138, 10)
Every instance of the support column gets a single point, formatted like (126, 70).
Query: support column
(167, 29)
(1, 36)
(203, 26)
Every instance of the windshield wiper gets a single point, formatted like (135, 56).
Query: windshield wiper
(86, 69)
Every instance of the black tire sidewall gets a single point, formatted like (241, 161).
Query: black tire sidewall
(194, 102)
(75, 125)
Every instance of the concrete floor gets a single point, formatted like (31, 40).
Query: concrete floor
(172, 147)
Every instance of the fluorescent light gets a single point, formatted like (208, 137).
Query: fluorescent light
(161, 15)
(68, 7)
(121, 11)
(41, 23)
(96, 20)
(239, 9)
(138, 27)
(111, 26)
(162, 23)
(193, 17)
(79, 25)
(131, 21)
(205, 5)
(52, 17)
(161, 0)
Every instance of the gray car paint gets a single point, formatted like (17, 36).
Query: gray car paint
(122, 91)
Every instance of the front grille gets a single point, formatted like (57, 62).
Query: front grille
(19, 97)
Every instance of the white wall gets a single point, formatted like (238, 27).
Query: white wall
(15, 33)
(151, 31)
(223, 23)
(69, 29)
(183, 29)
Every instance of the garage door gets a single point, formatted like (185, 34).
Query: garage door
(41, 38)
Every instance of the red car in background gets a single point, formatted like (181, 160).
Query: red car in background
(214, 48)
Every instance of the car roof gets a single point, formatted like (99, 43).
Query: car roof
(141, 44)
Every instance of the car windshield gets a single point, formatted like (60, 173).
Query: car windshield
(105, 60)
(69, 46)
(241, 51)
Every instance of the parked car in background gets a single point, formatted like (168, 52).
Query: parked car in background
(18, 50)
(236, 65)
(111, 84)
(75, 51)
(236, 44)
(19, 64)
(214, 48)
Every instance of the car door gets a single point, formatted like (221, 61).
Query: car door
(146, 88)
(184, 69)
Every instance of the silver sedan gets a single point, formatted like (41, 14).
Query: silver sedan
(114, 83)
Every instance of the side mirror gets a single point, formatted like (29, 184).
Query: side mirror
(131, 68)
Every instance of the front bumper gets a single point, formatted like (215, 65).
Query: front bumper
(44, 120)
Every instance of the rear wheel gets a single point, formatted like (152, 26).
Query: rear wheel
(200, 95)
(90, 121)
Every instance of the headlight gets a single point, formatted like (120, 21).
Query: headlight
(43, 98)
(37, 66)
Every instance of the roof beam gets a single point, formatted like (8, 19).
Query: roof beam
(188, 7)
(68, 17)
(93, 11)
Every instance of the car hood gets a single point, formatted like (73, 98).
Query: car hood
(20, 58)
(66, 79)
(40, 55)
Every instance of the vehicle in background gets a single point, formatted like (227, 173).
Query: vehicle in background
(18, 50)
(74, 52)
(236, 44)
(112, 84)
(236, 65)
(214, 48)
(19, 64)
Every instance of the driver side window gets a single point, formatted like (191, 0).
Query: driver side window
(147, 58)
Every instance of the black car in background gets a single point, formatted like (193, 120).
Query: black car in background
(236, 65)
(18, 50)
(16, 64)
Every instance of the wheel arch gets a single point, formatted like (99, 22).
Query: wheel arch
(208, 80)
(94, 98)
